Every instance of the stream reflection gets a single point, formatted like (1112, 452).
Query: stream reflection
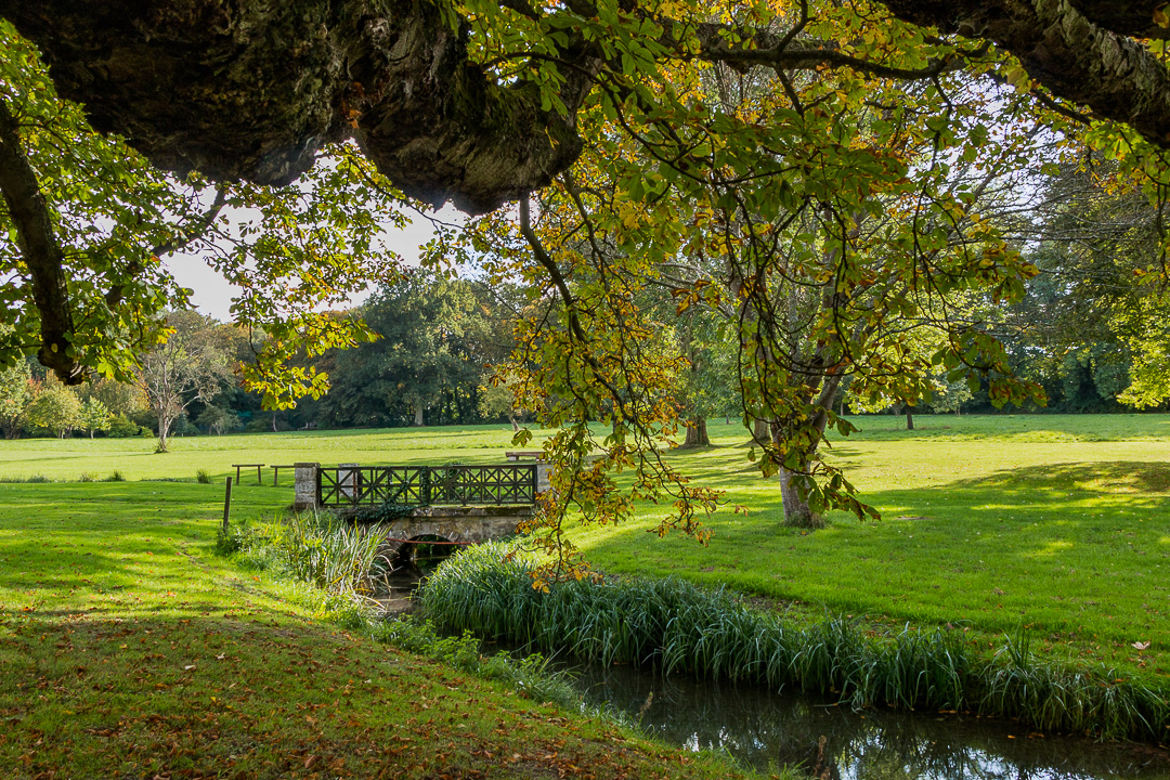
(765, 730)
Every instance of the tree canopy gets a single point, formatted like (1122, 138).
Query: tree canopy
(837, 186)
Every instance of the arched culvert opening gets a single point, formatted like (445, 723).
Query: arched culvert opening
(422, 553)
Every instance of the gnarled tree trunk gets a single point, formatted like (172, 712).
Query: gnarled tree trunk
(697, 433)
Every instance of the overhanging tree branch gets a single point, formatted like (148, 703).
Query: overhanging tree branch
(1087, 56)
(205, 85)
(40, 248)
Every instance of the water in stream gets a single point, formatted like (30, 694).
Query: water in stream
(766, 730)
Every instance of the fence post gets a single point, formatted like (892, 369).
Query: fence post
(227, 502)
(308, 486)
(541, 476)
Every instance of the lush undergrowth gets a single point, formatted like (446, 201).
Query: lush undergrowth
(679, 628)
(129, 649)
(319, 549)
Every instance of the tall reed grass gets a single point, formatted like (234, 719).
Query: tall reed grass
(320, 549)
(678, 628)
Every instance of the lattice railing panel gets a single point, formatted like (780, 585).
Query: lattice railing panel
(426, 485)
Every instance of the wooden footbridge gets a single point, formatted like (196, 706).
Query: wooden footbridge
(454, 504)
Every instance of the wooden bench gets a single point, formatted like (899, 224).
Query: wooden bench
(276, 472)
(524, 454)
(257, 466)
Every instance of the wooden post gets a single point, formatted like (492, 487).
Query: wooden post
(227, 503)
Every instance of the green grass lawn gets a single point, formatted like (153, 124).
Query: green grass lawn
(129, 649)
(1058, 524)
(70, 459)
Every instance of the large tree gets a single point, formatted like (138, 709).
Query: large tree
(484, 102)
(206, 86)
(426, 362)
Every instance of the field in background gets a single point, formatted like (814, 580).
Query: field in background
(1057, 524)
(69, 459)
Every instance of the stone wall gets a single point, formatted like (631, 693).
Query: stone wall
(472, 524)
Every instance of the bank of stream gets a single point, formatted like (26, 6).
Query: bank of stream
(904, 705)
(765, 730)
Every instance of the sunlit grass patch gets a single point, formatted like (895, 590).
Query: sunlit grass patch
(977, 531)
(129, 649)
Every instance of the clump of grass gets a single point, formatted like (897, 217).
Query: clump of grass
(86, 477)
(318, 548)
(203, 477)
(677, 627)
(116, 476)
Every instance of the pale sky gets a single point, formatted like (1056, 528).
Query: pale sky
(213, 295)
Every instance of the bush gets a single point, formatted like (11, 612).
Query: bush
(230, 540)
(117, 476)
(203, 477)
(121, 427)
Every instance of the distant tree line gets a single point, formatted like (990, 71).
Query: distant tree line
(445, 351)
(433, 362)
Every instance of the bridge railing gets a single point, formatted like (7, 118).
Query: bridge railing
(349, 486)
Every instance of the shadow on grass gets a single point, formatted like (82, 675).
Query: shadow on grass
(251, 696)
(1103, 477)
(126, 650)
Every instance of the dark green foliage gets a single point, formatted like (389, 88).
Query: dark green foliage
(436, 336)
(678, 628)
(229, 540)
